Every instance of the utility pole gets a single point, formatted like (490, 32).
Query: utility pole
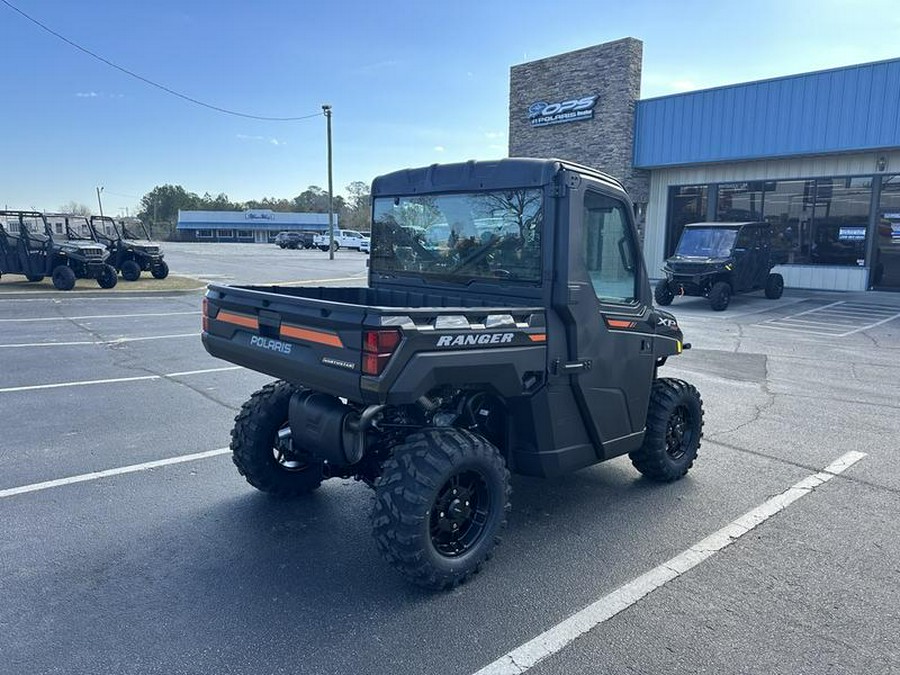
(99, 190)
(327, 110)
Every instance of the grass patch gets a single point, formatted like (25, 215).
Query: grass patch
(18, 284)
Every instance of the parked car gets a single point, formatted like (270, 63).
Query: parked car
(342, 239)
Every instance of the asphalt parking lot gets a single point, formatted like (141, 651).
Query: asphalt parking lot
(181, 567)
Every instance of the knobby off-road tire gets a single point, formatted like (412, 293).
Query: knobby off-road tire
(774, 286)
(720, 296)
(63, 278)
(663, 293)
(131, 271)
(255, 446)
(674, 430)
(160, 271)
(440, 504)
(108, 277)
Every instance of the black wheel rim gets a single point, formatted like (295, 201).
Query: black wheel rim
(460, 514)
(678, 433)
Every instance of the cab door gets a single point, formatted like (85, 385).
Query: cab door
(610, 320)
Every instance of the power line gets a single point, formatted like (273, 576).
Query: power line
(151, 82)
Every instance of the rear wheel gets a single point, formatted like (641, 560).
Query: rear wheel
(131, 271)
(33, 278)
(663, 293)
(774, 286)
(108, 277)
(63, 278)
(264, 456)
(161, 270)
(719, 296)
(674, 430)
(440, 505)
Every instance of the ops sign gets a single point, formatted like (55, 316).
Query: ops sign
(543, 114)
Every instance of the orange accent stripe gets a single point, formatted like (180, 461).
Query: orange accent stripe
(310, 335)
(538, 337)
(238, 319)
(619, 323)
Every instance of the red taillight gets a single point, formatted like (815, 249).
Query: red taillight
(204, 321)
(378, 347)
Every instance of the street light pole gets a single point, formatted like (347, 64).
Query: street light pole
(327, 110)
(99, 190)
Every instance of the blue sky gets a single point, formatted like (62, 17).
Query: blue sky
(411, 83)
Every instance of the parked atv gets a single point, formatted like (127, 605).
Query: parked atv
(131, 250)
(29, 247)
(533, 349)
(717, 260)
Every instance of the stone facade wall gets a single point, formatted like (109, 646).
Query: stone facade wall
(612, 71)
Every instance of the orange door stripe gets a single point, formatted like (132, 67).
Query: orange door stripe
(310, 335)
(238, 319)
(538, 337)
(618, 323)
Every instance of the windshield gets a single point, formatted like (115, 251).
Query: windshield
(77, 227)
(713, 242)
(132, 228)
(495, 235)
(106, 228)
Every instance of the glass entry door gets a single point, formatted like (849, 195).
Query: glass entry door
(886, 269)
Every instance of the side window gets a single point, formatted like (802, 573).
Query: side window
(746, 239)
(609, 250)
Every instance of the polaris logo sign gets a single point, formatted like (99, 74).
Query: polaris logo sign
(273, 345)
(543, 114)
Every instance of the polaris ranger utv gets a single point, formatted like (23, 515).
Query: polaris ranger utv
(130, 249)
(29, 247)
(716, 260)
(507, 327)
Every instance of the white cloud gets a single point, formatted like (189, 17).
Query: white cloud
(439, 148)
(245, 137)
(494, 135)
(275, 141)
(87, 94)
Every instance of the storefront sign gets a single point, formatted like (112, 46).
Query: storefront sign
(543, 114)
(852, 234)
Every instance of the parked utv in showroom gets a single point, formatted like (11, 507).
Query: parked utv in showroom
(534, 349)
(717, 260)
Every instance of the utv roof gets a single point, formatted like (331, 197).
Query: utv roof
(516, 172)
(750, 223)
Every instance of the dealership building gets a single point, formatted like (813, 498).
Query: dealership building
(817, 155)
(251, 226)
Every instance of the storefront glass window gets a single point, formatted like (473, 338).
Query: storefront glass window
(788, 206)
(688, 205)
(840, 219)
(740, 202)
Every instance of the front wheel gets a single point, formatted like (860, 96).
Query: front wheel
(440, 504)
(674, 430)
(663, 293)
(33, 278)
(108, 277)
(262, 455)
(63, 278)
(131, 271)
(161, 270)
(719, 296)
(774, 286)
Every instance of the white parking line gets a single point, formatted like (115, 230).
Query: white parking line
(59, 482)
(117, 341)
(115, 380)
(562, 634)
(97, 316)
